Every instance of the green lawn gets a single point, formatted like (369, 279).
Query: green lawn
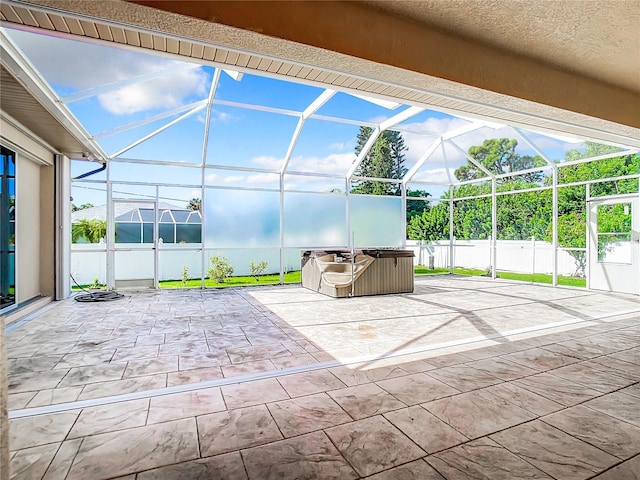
(271, 279)
(523, 277)
(294, 277)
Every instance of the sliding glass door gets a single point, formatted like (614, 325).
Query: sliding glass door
(7, 228)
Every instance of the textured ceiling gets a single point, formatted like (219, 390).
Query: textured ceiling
(598, 39)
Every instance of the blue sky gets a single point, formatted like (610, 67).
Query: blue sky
(238, 137)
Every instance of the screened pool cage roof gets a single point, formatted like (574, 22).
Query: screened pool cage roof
(136, 106)
(140, 212)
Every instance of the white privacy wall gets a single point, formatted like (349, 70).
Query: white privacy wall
(511, 255)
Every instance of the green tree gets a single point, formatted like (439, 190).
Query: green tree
(385, 159)
(498, 155)
(75, 208)
(91, 230)
(431, 225)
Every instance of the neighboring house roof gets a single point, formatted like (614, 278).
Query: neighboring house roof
(139, 212)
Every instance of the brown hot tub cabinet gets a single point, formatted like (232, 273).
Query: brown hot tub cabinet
(372, 272)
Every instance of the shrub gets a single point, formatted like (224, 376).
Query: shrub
(258, 269)
(184, 278)
(220, 268)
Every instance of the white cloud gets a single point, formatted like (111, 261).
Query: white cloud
(162, 92)
(71, 65)
(436, 175)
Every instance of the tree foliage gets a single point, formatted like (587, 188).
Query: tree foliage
(385, 159)
(89, 230)
(498, 155)
(521, 216)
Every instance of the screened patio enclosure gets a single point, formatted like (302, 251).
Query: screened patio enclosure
(273, 167)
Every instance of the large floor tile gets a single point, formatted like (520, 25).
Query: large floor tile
(483, 459)
(32, 431)
(225, 467)
(365, 400)
(585, 374)
(540, 359)
(600, 430)
(478, 413)
(253, 393)
(32, 463)
(553, 451)
(425, 429)
(120, 387)
(108, 455)
(502, 368)
(186, 404)
(464, 378)
(373, 445)
(417, 388)
(359, 375)
(310, 382)
(241, 428)
(416, 470)
(63, 459)
(619, 405)
(557, 389)
(307, 414)
(524, 398)
(629, 470)
(308, 456)
(108, 418)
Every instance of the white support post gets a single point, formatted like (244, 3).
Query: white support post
(110, 254)
(403, 193)
(554, 226)
(282, 228)
(587, 253)
(494, 228)
(451, 239)
(156, 238)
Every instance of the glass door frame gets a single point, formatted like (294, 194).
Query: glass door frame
(5, 221)
(111, 243)
(595, 267)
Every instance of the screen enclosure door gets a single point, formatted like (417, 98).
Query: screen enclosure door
(134, 242)
(614, 244)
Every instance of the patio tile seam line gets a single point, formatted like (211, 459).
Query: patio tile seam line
(637, 455)
(586, 441)
(288, 371)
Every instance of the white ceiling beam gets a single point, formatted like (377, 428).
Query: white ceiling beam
(236, 75)
(364, 152)
(259, 108)
(528, 141)
(401, 117)
(411, 173)
(207, 123)
(154, 118)
(310, 110)
(110, 87)
(471, 159)
(598, 157)
(157, 131)
(388, 104)
(323, 98)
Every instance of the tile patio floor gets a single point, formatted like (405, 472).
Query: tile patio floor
(464, 378)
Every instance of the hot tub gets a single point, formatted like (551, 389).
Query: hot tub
(371, 272)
